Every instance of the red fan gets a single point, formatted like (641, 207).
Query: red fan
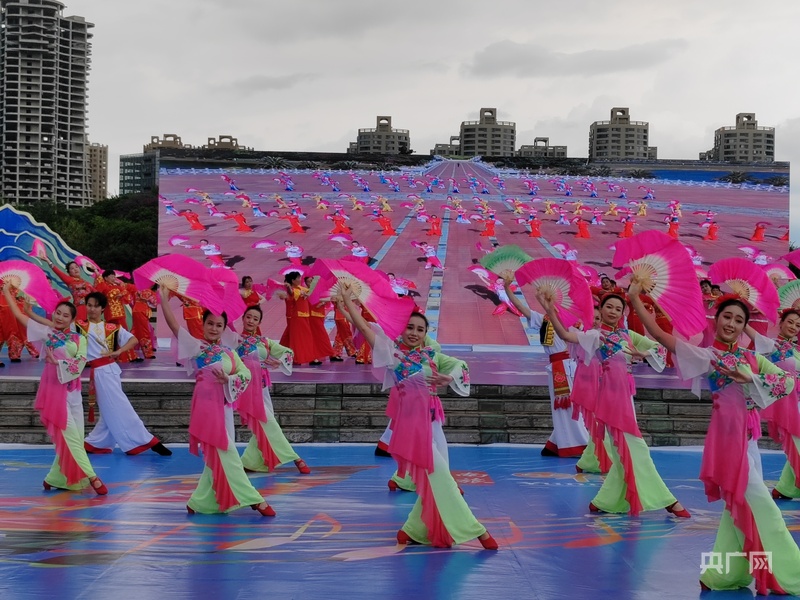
(663, 268)
(565, 283)
(184, 276)
(370, 287)
(31, 280)
(589, 273)
(226, 283)
(88, 265)
(292, 269)
(749, 282)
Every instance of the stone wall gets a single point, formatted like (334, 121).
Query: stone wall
(355, 413)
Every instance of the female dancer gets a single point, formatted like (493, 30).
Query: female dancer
(632, 484)
(783, 416)
(440, 516)
(751, 523)
(221, 377)
(268, 447)
(78, 287)
(249, 295)
(58, 399)
(298, 335)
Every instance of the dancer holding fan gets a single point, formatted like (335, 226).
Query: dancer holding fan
(58, 398)
(633, 484)
(569, 437)
(268, 447)
(221, 378)
(440, 516)
(783, 416)
(740, 381)
(78, 287)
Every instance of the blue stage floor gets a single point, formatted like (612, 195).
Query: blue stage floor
(334, 535)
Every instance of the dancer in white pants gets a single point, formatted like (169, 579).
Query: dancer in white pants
(119, 425)
(570, 436)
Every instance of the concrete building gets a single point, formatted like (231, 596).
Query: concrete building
(138, 173)
(488, 136)
(620, 138)
(44, 65)
(381, 139)
(542, 149)
(98, 171)
(451, 149)
(746, 142)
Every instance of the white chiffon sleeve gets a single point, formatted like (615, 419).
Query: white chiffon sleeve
(693, 363)
(188, 346)
(763, 344)
(37, 332)
(588, 342)
(384, 358)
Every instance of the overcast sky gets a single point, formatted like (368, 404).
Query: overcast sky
(305, 75)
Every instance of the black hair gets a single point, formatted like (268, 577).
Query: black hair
(244, 279)
(257, 309)
(207, 313)
(416, 313)
(290, 277)
(72, 310)
(731, 302)
(72, 262)
(716, 287)
(789, 311)
(100, 297)
(706, 281)
(108, 273)
(609, 296)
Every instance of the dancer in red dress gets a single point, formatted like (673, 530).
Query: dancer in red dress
(78, 287)
(711, 232)
(145, 302)
(193, 218)
(436, 226)
(240, 221)
(294, 222)
(758, 233)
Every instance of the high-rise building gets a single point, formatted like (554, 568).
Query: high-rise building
(381, 139)
(488, 136)
(98, 171)
(746, 142)
(542, 149)
(620, 138)
(44, 65)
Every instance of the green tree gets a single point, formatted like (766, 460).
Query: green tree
(737, 177)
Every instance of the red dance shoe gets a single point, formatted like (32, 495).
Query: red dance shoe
(268, 511)
(47, 486)
(578, 469)
(393, 487)
(778, 496)
(593, 508)
(704, 587)
(101, 489)
(190, 510)
(404, 539)
(489, 543)
(302, 466)
(683, 513)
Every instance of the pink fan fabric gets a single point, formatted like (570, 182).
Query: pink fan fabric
(676, 290)
(763, 295)
(33, 282)
(201, 287)
(377, 295)
(575, 305)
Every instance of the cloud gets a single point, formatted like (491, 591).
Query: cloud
(508, 58)
(266, 83)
